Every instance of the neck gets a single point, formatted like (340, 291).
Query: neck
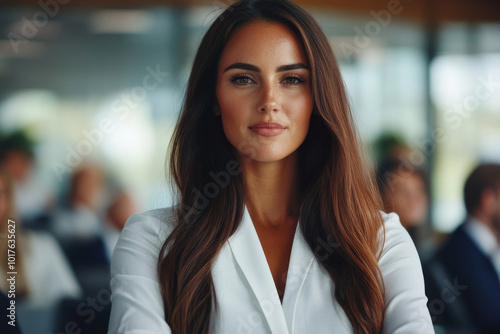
(272, 191)
(485, 220)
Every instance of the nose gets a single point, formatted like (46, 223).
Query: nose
(269, 99)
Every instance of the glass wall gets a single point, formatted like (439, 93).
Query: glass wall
(466, 94)
(103, 88)
(106, 86)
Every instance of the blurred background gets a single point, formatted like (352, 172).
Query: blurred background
(90, 92)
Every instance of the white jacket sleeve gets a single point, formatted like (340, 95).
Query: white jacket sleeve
(136, 303)
(405, 299)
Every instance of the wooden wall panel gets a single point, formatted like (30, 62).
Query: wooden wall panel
(415, 10)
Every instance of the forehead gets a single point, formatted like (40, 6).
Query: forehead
(405, 179)
(263, 43)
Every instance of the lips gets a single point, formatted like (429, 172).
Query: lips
(267, 129)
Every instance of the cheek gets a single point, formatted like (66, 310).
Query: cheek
(231, 110)
(233, 119)
(229, 123)
(230, 102)
(300, 113)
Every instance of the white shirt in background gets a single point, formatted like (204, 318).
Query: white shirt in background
(48, 274)
(485, 241)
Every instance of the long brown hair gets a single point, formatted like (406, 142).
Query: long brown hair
(339, 200)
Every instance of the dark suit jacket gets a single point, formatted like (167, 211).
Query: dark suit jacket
(468, 288)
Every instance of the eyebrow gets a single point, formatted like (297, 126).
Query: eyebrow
(283, 68)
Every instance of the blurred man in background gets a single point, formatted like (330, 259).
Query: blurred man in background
(463, 284)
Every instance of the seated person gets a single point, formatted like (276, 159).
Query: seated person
(43, 273)
(463, 279)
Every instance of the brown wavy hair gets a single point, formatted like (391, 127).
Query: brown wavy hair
(339, 199)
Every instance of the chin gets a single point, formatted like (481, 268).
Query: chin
(266, 156)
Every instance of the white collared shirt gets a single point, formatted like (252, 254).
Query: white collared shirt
(245, 290)
(484, 239)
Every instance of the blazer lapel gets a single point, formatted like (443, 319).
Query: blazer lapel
(301, 260)
(248, 252)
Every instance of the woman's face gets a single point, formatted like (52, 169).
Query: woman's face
(264, 91)
(410, 198)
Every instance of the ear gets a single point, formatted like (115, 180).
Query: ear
(489, 201)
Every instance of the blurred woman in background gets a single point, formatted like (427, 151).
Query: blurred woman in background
(404, 191)
(43, 274)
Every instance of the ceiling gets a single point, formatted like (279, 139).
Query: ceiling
(417, 10)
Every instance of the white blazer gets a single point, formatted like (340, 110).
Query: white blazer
(245, 289)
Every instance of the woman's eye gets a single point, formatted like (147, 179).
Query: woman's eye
(241, 80)
(293, 80)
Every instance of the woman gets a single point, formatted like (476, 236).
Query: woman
(278, 228)
(43, 275)
(403, 190)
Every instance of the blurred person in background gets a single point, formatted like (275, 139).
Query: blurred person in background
(80, 216)
(121, 207)
(43, 274)
(79, 224)
(390, 146)
(33, 199)
(466, 269)
(404, 191)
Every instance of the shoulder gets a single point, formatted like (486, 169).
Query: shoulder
(459, 248)
(137, 305)
(459, 242)
(399, 254)
(154, 225)
(395, 237)
(405, 300)
(140, 241)
(460, 237)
